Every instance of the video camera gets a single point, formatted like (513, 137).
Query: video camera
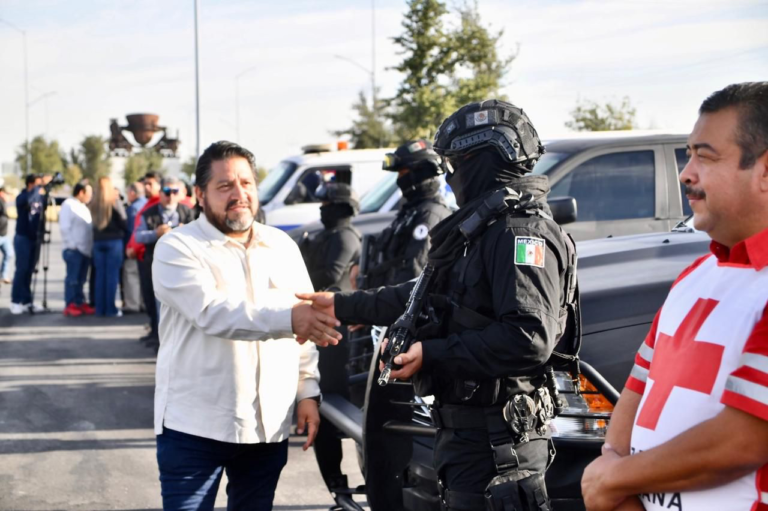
(56, 180)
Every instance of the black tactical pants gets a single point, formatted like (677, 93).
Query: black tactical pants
(333, 380)
(464, 464)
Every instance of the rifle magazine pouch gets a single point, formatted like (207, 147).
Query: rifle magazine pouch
(517, 491)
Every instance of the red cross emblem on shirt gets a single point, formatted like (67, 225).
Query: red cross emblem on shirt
(681, 361)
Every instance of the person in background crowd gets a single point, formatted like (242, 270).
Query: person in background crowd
(135, 250)
(690, 431)
(77, 238)
(108, 232)
(229, 371)
(188, 198)
(132, 301)
(29, 206)
(155, 222)
(6, 247)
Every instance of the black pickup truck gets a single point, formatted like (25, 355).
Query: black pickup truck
(623, 282)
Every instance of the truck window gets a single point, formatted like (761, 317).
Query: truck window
(275, 180)
(681, 157)
(613, 186)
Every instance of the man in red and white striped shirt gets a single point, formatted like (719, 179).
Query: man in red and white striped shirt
(690, 431)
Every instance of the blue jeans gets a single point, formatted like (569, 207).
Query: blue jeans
(191, 468)
(107, 259)
(26, 260)
(6, 247)
(77, 273)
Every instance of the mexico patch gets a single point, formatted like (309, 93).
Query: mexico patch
(529, 251)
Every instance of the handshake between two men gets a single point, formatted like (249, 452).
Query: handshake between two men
(314, 319)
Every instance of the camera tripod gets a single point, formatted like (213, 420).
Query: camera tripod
(42, 251)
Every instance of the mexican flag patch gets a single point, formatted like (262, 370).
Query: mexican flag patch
(529, 251)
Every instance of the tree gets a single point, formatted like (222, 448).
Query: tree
(480, 67)
(592, 116)
(94, 158)
(370, 129)
(47, 158)
(140, 163)
(188, 167)
(72, 174)
(261, 173)
(444, 68)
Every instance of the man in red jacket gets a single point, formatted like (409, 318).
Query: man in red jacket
(136, 250)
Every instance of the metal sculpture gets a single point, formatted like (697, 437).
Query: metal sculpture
(143, 127)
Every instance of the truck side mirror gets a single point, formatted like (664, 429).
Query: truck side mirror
(563, 209)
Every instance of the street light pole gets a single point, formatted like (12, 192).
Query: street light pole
(374, 109)
(45, 97)
(197, 84)
(26, 92)
(237, 100)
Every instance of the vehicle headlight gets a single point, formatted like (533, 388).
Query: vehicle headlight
(587, 413)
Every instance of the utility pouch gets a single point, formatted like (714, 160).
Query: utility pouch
(517, 491)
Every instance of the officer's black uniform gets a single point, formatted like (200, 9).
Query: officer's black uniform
(329, 257)
(498, 307)
(399, 254)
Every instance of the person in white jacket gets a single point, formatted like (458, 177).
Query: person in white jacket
(77, 238)
(229, 370)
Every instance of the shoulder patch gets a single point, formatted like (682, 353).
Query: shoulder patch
(529, 251)
(420, 232)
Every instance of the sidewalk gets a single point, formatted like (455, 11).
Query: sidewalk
(76, 407)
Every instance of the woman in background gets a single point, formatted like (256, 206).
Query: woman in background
(109, 227)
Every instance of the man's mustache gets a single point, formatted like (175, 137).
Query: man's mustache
(235, 203)
(694, 193)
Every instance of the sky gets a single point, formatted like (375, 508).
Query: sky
(104, 59)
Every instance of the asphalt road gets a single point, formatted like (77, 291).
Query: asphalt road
(76, 414)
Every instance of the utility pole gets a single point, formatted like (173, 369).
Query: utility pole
(197, 84)
(26, 92)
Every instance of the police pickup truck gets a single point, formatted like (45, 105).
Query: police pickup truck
(623, 281)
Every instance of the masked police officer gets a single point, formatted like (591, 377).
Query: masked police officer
(329, 257)
(399, 254)
(502, 298)
(332, 252)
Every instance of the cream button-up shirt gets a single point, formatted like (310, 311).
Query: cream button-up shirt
(229, 367)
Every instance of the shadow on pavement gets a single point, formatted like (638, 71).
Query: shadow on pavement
(50, 445)
(76, 407)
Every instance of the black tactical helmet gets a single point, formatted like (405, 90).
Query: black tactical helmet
(413, 154)
(338, 193)
(492, 123)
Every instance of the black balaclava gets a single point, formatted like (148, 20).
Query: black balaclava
(336, 214)
(483, 171)
(423, 189)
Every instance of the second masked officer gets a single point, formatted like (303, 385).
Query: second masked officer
(501, 297)
(399, 254)
(329, 255)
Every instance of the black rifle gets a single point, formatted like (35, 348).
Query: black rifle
(369, 242)
(403, 331)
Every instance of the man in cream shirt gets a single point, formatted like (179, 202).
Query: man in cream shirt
(229, 369)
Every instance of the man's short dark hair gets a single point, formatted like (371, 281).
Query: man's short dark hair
(751, 101)
(221, 150)
(30, 179)
(152, 175)
(79, 187)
